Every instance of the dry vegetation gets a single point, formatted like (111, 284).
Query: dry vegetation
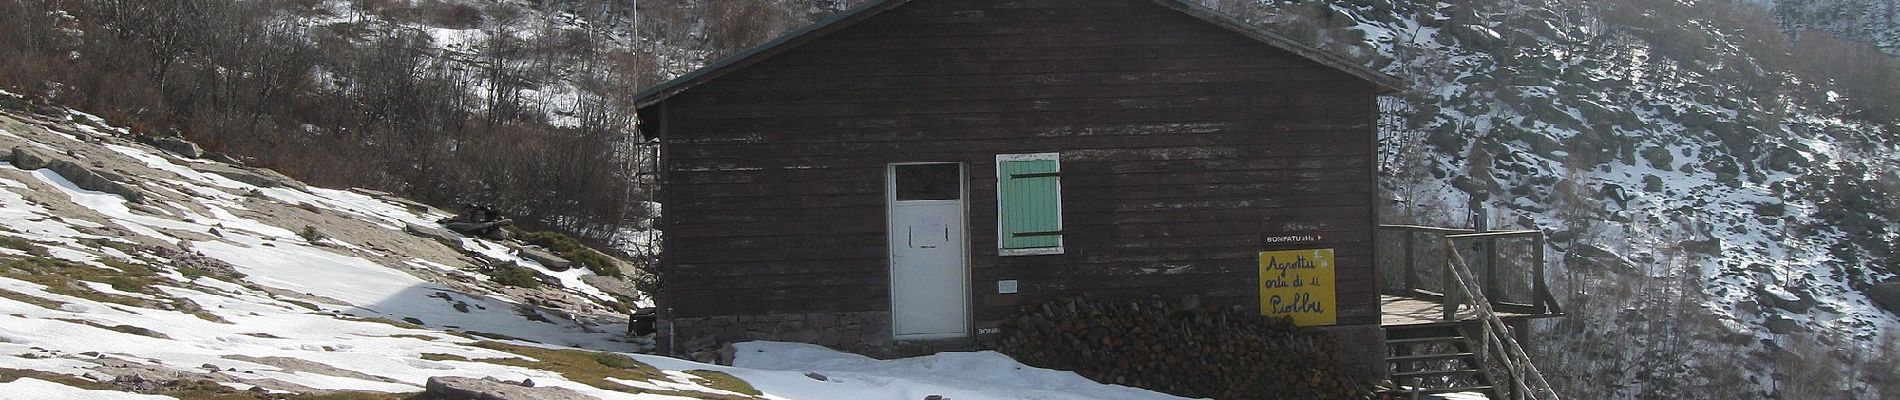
(372, 102)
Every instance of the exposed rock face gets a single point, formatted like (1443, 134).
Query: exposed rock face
(1887, 296)
(1780, 325)
(29, 159)
(254, 176)
(80, 175)
(180, 147)
(440, 234)
(460, 388)
(545, 258)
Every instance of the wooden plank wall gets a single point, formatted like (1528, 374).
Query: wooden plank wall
(1183, 146)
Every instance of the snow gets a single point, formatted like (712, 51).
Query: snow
(34, 389)
(779, 369)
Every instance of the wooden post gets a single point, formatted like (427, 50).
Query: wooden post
(1491, 270)
(1451, 282)
(1411, 264)
(1538, 290)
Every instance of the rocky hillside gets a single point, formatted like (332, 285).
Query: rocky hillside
(1715, 206)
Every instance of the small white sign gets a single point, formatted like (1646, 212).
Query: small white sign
(1006, 287)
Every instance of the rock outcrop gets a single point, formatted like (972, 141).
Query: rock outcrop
(180, 147)
(439, 234)
(80, 175)
(254, 176)
(1886, 295)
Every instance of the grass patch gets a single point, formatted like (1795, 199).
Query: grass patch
(593, 368)
(197, 389)
(310, 234)
(571, 249)
(381, 320)
(425, 338)
(443, 357)
(10, 375)
(495, 336)
(123, 247)
(586, 367)
(61, 277)
(23, 298)
(193, 273)
(300, 303)
(725, 381)
(513, 275)
(23, 245)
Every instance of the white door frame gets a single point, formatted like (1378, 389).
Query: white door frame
(890, 223)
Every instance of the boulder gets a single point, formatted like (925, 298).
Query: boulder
(460, 388)
(1780, 325)
(1886, 295)
(1797, 302)
(29, 159)
(181, 147)
(546, 259)
(437, 233)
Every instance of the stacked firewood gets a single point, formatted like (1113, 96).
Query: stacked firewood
(1186, 351)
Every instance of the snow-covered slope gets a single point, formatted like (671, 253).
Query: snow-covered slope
(1709, 234)
(1873, 21)
(212, 284)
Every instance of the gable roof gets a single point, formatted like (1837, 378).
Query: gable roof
(868, 9)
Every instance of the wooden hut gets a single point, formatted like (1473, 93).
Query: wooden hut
(904, 176)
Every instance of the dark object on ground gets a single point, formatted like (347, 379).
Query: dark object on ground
(642, 322)
(479, 221)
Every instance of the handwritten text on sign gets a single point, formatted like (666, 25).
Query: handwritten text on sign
(1299, 283)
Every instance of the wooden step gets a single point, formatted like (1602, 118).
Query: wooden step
(1484, 390)
(1428, 374)
(1428, 357)
(1433, 339)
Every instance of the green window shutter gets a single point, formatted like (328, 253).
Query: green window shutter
(1029, 204)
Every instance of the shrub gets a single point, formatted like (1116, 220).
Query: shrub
(513, 275)
(571, 249)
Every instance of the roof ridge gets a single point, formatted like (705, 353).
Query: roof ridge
(755, 54)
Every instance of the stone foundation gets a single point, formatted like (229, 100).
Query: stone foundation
(1360, 355)
(867, 333)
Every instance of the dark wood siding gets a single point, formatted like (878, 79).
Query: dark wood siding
(1183, 146)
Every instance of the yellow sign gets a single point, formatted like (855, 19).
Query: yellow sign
(1299, 283)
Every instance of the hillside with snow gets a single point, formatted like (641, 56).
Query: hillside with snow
(131, 272)
(1718, 220)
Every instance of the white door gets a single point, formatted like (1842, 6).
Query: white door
(929, 276)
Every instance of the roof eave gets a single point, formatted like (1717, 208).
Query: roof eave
(755, 54)
(1386, 83)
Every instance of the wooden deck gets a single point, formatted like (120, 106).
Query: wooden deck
(1402, 311)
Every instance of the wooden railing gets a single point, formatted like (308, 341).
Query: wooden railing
(1513, 283)
(1496, 343)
